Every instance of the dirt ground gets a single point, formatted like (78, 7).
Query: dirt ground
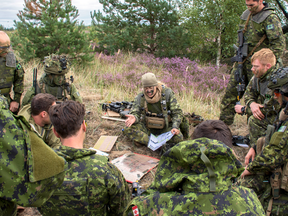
(96, 127)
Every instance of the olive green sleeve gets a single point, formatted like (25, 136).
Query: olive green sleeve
(18, 82)
(74, 93)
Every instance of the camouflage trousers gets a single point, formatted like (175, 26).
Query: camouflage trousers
(229, 100)
(140, 133)
(257, 128)
(261, 186)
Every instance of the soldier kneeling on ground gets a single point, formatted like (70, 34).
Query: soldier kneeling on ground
(196, 177)
(92, 186)
(53, 81)
(155, 111)
(267, 174)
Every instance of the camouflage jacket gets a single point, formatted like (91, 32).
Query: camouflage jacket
(12, 73)
(274, 154)
(92, 186)
(45, 132)
(266, 23)
(30, 170)
(188, 184)
(172, 106)
(61, 92)
(258, 92)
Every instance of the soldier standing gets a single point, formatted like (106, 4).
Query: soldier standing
(261, 29)
(155, 111)
(12, 73)
(54, 82)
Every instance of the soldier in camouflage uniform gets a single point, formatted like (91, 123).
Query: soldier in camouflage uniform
(37, 115)
(267, 173)
(196, 178)
(92, 186)
(11, 72)
(155, 111)
(259, 98)
(30, 170)
(53, 81)
(257, 21)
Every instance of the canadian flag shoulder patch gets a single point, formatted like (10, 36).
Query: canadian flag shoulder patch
(135, 210)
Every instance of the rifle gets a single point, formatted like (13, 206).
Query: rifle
(118, 107)
(241, 52)
(35, 80)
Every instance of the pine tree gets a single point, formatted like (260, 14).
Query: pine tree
(47, 27)
(140, 25)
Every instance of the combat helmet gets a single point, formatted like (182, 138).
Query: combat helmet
(55, 68)
(279, 81)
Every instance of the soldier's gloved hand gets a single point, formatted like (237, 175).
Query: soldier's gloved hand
(14, 106)
(175, 131)
(251, 154)
(238, 108)
(130, 120)
(255, 108)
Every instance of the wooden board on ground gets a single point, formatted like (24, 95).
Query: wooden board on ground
(134, 166)
(113, 118)
(105, 143)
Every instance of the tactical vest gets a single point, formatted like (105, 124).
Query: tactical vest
(255, 26)
(7, 68)
(150, 111)
(61, 92)
(279, 177)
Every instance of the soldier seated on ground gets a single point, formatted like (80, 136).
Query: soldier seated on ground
(30, 170)
(196, 177)
(259, 98)
(160, 113)
(53, 81)
(12, 74)
(92, 186)
(37, 115)
(269, 169)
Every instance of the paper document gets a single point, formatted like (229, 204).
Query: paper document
(133, 166)
(99, 152)
(157, 142)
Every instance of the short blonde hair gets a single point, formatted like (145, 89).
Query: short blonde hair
(264, 56)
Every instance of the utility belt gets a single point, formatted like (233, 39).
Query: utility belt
(156, 121)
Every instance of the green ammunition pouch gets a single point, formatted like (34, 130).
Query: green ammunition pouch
(275, 181)
(155, 122)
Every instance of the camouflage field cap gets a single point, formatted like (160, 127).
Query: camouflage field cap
(149, 79)
(56, 64)
(279, 80)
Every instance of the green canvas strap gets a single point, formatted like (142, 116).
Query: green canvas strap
(211, 173)
(164, 106)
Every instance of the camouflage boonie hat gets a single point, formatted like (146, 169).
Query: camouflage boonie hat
(56, 64)
(279, 80)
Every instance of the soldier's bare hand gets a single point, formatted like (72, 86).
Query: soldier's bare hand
(255, 108)
(238, 108)
(14, 106)
(175, 131)
(251, 154)
(130, 120)
(245, 173)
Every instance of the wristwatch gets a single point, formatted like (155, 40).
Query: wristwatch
(243, 112)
